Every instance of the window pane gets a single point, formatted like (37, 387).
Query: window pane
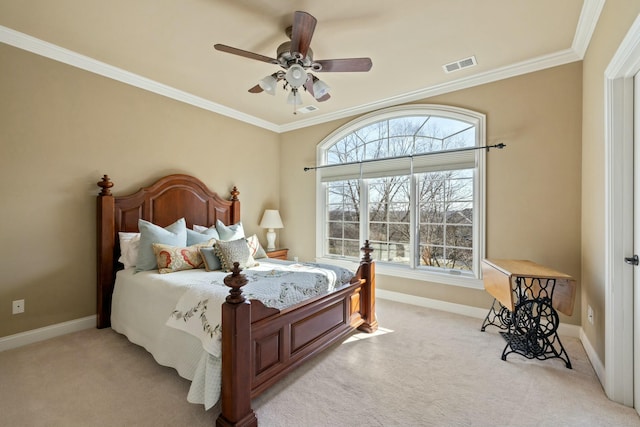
(399, 233)
(378, 231)
(432, 234)
(431, 256)
(446, 219)
(389, 218)
(352, 248)
(460, 259)
(343, 212)
(460, 236)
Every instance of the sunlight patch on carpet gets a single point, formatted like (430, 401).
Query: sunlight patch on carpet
(363, 335)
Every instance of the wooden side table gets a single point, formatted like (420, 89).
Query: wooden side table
(278, 253)
(527, 298)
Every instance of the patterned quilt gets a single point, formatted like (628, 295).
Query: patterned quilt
(198, 312)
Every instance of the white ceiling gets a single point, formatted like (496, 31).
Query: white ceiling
(166, 46)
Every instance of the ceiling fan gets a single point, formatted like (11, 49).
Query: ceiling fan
(295, 57)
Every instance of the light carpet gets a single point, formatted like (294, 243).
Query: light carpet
(424, 368)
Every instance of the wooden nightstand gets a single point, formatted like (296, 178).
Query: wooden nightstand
(278, 253)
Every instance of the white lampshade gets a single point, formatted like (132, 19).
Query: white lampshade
(270, 220)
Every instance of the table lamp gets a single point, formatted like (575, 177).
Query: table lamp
(270, 220)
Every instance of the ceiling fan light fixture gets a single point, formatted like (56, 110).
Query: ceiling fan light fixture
(320, 88)
(294, 97)
(296, 76)
(268, 84)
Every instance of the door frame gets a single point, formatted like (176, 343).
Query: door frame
(618, 96)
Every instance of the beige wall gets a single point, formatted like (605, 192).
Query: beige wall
(615, 21)
(61, 129)
(533, 186)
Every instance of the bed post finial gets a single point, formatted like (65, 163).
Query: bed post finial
(367, 249)
(105, 184)
(234, 194)
(235, 281)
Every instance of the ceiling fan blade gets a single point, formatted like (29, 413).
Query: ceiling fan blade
(345, 65)
(303, 27)
(256, 89)
(244, 53)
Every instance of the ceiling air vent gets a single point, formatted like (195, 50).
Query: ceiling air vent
(459, 65)
(308, 109)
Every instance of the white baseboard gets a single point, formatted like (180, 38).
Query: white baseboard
(41, 334)
(593, 357)
(465, 310)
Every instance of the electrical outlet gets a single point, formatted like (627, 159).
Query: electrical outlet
(18, 306)
(590, 314)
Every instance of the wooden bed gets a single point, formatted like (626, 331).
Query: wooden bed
(260, 345)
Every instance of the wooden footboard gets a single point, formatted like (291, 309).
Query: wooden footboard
(261, 345)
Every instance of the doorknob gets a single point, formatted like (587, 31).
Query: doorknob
(632, 260)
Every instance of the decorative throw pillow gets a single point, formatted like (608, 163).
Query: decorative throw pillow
(174, 235)
(210, 259)
(256, 249)
(234, 251)
(201, 235)
(230, 232)
(129, 245)
(177, 258)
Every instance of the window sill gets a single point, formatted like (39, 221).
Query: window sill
(387, 269)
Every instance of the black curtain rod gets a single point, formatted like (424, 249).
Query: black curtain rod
(487, 147)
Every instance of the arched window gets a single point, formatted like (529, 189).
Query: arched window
(409, 180)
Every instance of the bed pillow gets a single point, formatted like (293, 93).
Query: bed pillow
(174, 235)
(178, 258)
(210, 259)
(201, 235)
(230, 232)
(129, 245)
(234, 251)
(256, 249)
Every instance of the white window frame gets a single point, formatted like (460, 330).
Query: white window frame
(472, 279)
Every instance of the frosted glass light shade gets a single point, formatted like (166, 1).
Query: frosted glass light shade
(268, 84)
(320, 89)
(296, 76)
(294, 98)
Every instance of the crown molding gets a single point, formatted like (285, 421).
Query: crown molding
(69, 57)
(589, 15)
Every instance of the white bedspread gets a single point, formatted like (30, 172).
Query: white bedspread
(154, 310)
(198, 311)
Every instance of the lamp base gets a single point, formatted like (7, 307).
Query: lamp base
(271, 240)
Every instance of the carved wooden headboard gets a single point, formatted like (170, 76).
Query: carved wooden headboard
(162, 203)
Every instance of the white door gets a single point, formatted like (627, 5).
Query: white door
(636, 242)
